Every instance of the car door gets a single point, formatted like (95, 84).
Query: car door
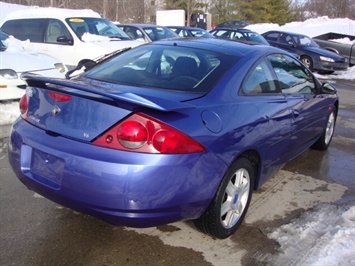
(286, 42)
(59, 42)
(273, 125)
(306, 105)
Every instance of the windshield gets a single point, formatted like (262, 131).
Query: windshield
(304, 41)
(165, 67)
(255, 37)
(96, 26)
(159, 33)
(3, 37)
(201, 33)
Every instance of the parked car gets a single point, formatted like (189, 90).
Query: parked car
(147, 32)
(311, 55)
(15, 60)
(72, 36)
(240, 35)
(234, 24)
(331, 41)
(190, 32)
(139, 140)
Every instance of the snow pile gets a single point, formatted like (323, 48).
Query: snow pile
(15, 45)
(325, 236)
(9, 112)
(310, 27)
(6, 8)
(88, 37)
(348, 75)
(15, 11)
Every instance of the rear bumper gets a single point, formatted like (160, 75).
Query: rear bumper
(123, 188)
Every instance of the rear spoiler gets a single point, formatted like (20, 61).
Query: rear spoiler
(66, 86)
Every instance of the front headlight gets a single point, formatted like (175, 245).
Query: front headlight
(60, 67)
(327, 59)
(8, 74)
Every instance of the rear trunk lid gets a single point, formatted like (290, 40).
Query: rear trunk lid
(84, 109)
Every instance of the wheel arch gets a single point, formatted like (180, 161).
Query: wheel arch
(254, 157)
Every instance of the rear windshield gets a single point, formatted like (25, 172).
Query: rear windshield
(165, 67)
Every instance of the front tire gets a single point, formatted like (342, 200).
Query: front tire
(307, 61)
(325, 139)
(230, 204)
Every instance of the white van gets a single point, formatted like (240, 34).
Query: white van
(73, 36)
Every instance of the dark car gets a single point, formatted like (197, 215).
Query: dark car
(331, 42)
(310, 53)
(190, 32)
(234, 24)
(147, 32)
(181, 129)
(240, 35)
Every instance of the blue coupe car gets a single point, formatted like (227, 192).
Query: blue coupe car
(180, 129)
(310, 53)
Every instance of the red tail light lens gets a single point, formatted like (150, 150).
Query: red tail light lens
(23, 105)
(141, 133)
(59, 97)
(132, 134)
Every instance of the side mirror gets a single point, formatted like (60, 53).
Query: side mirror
(328, 89)
(64, 40)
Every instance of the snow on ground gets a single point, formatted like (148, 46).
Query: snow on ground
(311, 27)
(323, 236)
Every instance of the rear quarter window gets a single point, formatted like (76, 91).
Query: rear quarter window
(26, 29)
(273, 36)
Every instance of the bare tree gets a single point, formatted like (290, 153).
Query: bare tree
(330, 8)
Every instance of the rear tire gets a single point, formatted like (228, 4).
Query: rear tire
(230, 204)
(325, 139)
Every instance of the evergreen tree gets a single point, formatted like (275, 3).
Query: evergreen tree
(253, 11)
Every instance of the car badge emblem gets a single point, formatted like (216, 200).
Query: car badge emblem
(56, 111)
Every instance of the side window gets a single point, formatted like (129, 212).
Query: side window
(24, 29)
(273, 36)
(286, 39)
(56, 29)
(292, 75)
(133, 32)
(260, 80)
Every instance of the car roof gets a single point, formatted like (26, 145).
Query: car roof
(186, 28)
(60, 13)
(141, 25)
(219, 45)
(234, 29)
(285, 32)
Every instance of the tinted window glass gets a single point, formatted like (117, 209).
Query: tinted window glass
(95, 26)
(165, 67)
(292, 75)
(159, 33)
(272, 36)
(56, 29)
(23, 29)
(260, 80)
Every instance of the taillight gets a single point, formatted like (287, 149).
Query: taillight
(59, 97)
(141, 133)
(23, 105)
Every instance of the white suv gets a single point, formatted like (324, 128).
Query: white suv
(72, 36)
